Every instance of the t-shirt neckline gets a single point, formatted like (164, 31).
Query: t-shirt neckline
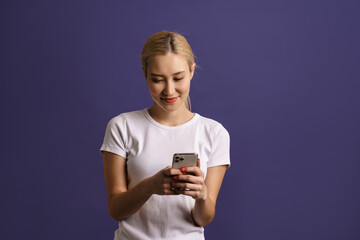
(153, 121)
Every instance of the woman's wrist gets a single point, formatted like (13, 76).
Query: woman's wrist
(202, 200)
(147, 187)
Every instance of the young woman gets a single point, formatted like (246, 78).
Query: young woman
(148, 198)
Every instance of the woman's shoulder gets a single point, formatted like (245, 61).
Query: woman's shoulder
(124, 117)
(128, 115)
(211, 124)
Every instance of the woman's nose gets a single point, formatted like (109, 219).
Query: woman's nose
(169, 89)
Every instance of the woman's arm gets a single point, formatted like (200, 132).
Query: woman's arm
(122, 202)
(204, 191)
(204, 210)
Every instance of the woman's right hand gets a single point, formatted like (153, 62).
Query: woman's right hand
(161, 181)
(124, 202)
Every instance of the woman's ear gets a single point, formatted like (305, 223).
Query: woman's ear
(192, 71)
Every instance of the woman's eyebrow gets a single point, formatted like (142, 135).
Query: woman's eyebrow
(160, 75)
(156, 75)
(178, 73)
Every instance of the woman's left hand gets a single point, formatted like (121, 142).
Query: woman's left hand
(191, 185)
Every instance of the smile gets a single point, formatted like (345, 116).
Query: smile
(169, 100)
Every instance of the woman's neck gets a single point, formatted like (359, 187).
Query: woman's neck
(173, 118)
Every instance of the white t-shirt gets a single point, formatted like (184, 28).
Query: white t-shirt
(148, 147)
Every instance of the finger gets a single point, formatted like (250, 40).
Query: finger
(194, 194)
(166, 169)
(198, 163)
(167, 189)
(186, 185)
(172, 171)
(167, 186)
(195, 170)
(175, 177)
(175, 171)
(190, 178)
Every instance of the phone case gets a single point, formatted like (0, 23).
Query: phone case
(181, 160)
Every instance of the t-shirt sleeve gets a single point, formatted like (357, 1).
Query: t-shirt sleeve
(220, 150)
(115, 137)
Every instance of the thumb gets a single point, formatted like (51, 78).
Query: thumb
(198, 163)
(166, 170)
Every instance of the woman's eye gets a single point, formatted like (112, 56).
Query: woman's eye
(156, 80)
(177, 79)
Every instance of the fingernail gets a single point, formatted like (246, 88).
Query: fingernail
(175, 177)
(182, 169)
(198, 158)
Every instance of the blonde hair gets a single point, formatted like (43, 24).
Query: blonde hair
(163, 42)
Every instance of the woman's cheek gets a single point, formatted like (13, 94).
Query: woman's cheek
(154, 90)
(185, 87)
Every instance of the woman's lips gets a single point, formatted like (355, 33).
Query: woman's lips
(170, 100)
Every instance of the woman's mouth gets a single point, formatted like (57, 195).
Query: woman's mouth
(169, 100)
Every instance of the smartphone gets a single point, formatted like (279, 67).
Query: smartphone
(181, 160)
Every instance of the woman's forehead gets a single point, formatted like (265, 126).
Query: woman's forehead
(170, 63)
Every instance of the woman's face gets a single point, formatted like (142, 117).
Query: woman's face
(168, 78)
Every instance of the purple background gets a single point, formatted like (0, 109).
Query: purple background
(281, 76)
